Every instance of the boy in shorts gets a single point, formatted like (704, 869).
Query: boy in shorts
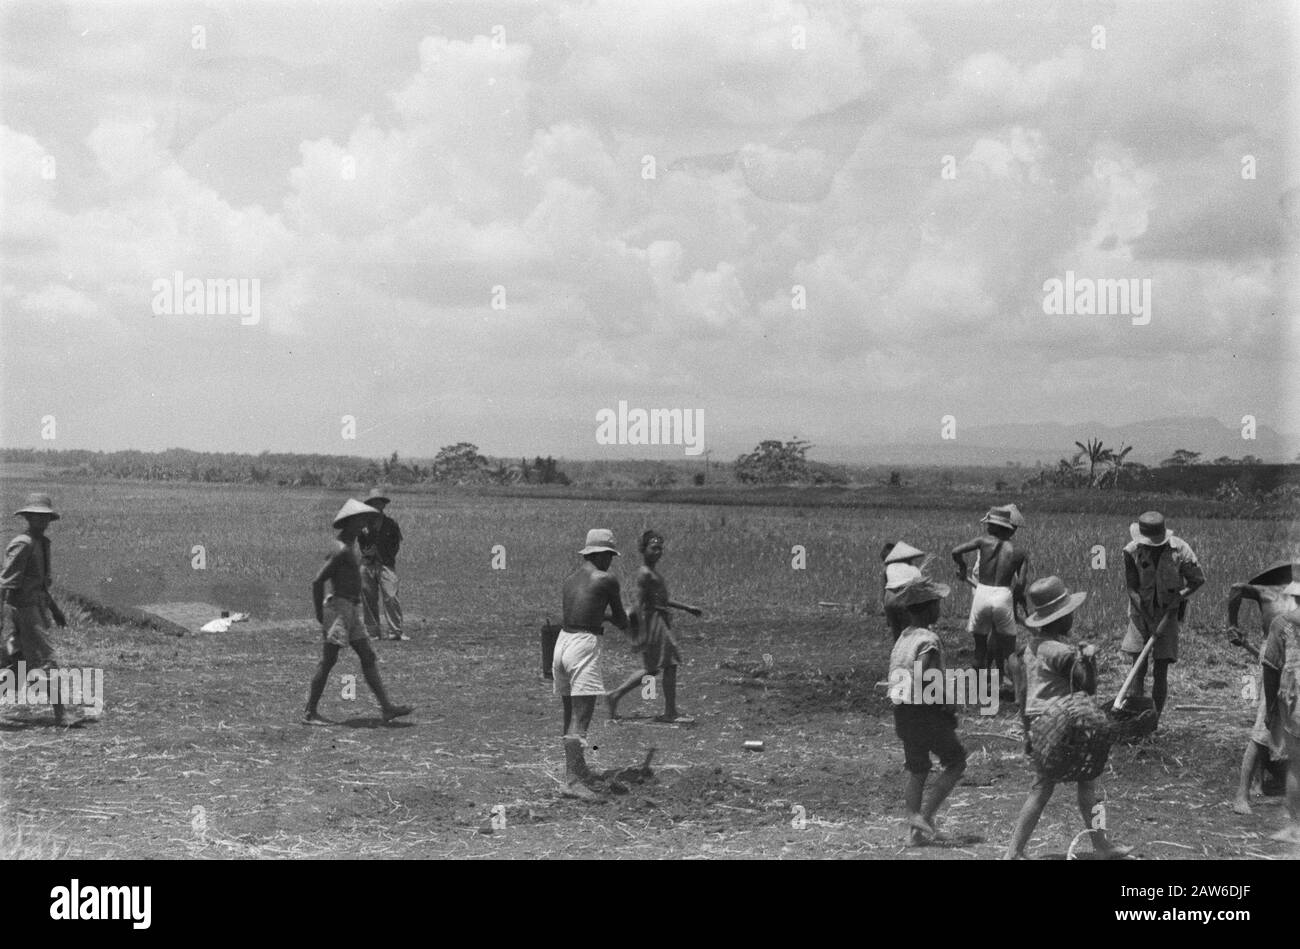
(923, 729)
(1050, 668)
(339, 613)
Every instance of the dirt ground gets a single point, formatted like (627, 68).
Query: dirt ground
(199, 754)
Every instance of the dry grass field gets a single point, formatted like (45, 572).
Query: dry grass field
(199, 753)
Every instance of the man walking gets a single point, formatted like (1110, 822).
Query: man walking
(379, 548)
(1161, 571)
(588, 593)
(337, 614)
(25, 599)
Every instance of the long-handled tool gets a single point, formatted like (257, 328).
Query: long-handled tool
(1132, 675)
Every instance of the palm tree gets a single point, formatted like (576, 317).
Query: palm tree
(1096, 453)
(1116, 461)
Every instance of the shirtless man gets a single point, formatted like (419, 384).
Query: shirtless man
(1002, 575)
(342, 626)
(588, 593)
(654, 634)
(1275, 592)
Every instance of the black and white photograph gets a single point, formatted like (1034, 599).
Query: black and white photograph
(531, 430)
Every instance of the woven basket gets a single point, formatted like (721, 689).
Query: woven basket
(1071, 739)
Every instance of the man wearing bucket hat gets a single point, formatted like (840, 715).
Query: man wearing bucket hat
(923, 729)
(25, 598)
(338, 613)
(1048, 669)
(379, 549)
(1160, 572)
(1002, 570)
(590, 597)
(1275, 590)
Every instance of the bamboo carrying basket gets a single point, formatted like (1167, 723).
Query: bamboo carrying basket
(1071, 739)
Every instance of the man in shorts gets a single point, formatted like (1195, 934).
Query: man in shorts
(1160, 571)
(1002, 572)
(339, 613)
(590, 596)
(653, 633)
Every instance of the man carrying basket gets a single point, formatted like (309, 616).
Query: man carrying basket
(1075, 746)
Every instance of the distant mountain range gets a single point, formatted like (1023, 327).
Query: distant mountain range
(1030, 442)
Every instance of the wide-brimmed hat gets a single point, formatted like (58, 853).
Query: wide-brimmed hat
(1284, 571)
(1006, 515)
(902, 552)
(922, 591)
(599, 541)
(899, 575)
(1050, 599)
(1292, 588)
(351, 508)
(376, 495)
(38, 504)
(1150, 529)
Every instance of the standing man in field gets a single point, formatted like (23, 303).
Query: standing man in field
(1002, 571)
(337, 613)
(591, 596)
(25, 601)
(379, 547)
(1275, 591)
(1160, 571)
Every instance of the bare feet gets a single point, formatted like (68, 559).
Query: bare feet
(1287, 835)
(1112, 852)
(397, 711)
(919, 823)
(579, 791)
(1241, 806)
(916, 838)
(313, 718)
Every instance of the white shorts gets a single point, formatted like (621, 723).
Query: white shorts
(576, 665)
(991, 610)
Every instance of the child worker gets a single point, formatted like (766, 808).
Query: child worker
(653, 633)
(339, 613)
(924, 729)
(903, 564)
(1050, 668)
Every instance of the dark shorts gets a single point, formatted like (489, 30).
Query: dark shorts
(926, 730)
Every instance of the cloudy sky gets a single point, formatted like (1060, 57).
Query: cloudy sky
(647, 192)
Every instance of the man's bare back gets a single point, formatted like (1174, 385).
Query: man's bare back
(1001, 563)
(588, 592)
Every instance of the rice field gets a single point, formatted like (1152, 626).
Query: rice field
(208, 721)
